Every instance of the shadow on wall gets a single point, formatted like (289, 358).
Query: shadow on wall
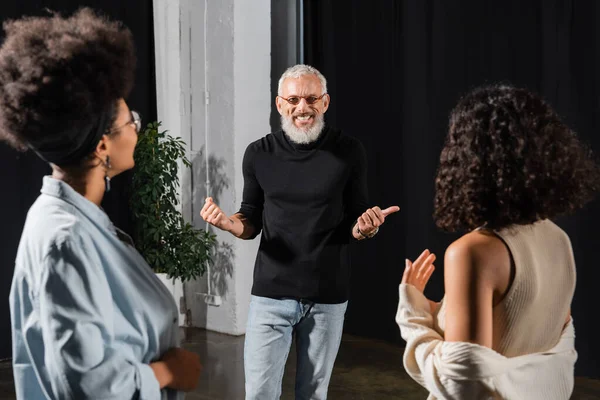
(215, 282)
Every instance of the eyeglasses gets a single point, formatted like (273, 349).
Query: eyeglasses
(136, 120)
(295, 100)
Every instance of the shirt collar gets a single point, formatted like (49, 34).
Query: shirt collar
(62, 190)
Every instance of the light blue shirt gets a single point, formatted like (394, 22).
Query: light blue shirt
(88, 314)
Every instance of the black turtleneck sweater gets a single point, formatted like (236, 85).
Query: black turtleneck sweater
(305, 199)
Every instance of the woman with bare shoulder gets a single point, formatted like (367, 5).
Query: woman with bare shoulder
(503, 329)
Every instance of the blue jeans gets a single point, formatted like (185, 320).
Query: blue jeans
(271, 324)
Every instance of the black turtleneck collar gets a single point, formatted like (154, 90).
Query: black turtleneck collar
(308, 146)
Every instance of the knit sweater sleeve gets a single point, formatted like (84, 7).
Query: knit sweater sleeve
(252, 195)
(458, 370)
(356, 193)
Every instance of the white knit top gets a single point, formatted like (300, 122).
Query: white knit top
(532, 315)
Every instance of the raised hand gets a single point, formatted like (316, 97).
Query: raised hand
(213, 214)
(370, 221)
(419, 272)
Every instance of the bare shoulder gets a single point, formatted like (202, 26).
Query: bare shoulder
(470, 288)
(478, 253)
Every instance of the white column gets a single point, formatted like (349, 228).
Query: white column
(213, 90)
(252, 72)
(172, 82)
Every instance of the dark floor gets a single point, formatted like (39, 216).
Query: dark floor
(365, 369)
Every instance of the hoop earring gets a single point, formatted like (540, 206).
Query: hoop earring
(106, 177)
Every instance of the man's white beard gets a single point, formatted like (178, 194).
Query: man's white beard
(302, 136)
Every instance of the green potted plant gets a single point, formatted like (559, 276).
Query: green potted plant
(175, 250)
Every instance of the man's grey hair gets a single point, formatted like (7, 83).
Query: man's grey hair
(300, 70)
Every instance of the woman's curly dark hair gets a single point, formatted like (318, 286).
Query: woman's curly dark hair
(509, 159)
(56, 72)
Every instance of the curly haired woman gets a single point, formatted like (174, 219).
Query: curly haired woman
(89, 318)
(503, 329)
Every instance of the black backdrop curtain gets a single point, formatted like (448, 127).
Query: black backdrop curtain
(21, 173)
(396, 68)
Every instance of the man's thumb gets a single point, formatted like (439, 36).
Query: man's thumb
(390, 210)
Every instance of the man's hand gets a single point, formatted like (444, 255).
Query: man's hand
(369, 222)
(212, 214)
